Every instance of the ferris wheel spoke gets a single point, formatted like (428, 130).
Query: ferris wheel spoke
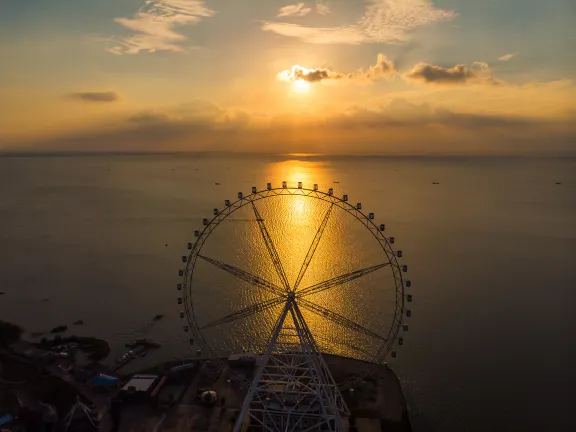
(312, 248)
(245, 312)
(271, 249)
(339, 280)
(245, 276)
(338, 319)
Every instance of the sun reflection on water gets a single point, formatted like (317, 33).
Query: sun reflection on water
(294, 171)
(293, 222)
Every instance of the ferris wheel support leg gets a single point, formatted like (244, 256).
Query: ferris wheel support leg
(330, 396)
(263, 362)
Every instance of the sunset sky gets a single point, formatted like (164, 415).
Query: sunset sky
(330, 76)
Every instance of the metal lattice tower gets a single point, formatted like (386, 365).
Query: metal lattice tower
(293, 389)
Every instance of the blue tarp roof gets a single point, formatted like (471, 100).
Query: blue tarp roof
(105, 380)
(6, 419)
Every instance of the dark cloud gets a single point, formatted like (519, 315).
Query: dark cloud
(438, 75)
(479, 72)
(108, 96)
(148, 117)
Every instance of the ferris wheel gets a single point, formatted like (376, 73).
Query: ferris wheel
(278, 272)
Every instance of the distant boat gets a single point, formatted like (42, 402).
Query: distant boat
(217, 184)
(558, 183)
(435, 183)
(336, 181)
(158, 317)
(143, 343)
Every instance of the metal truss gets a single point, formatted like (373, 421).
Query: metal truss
(338, 319)
(245, 276)
(312, 248)
(245, 312)
(293, 389)
(339, 280)
(271, 249)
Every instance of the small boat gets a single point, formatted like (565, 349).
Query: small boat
(216, 184)
(125, 356)
(158, 317)
(435, 182)
(59, 329)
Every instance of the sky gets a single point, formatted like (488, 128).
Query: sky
(326, 76)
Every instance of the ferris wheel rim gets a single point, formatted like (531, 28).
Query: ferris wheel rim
(329, 197)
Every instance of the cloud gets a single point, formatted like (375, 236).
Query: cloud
(383, 68)
(109, 96)
(155, 23)
(328, 35)
(295, 10)
(384, 21)
(507, 57)
(478, 73)
(311, 75)
(322, 8)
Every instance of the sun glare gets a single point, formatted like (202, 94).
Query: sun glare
(301, 86)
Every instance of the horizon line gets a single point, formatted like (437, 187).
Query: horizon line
(221, 153)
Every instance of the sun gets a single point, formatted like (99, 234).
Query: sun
(301, 86)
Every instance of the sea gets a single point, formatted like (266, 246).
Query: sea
(489, 244)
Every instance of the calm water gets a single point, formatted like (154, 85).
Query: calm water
(491, 251)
